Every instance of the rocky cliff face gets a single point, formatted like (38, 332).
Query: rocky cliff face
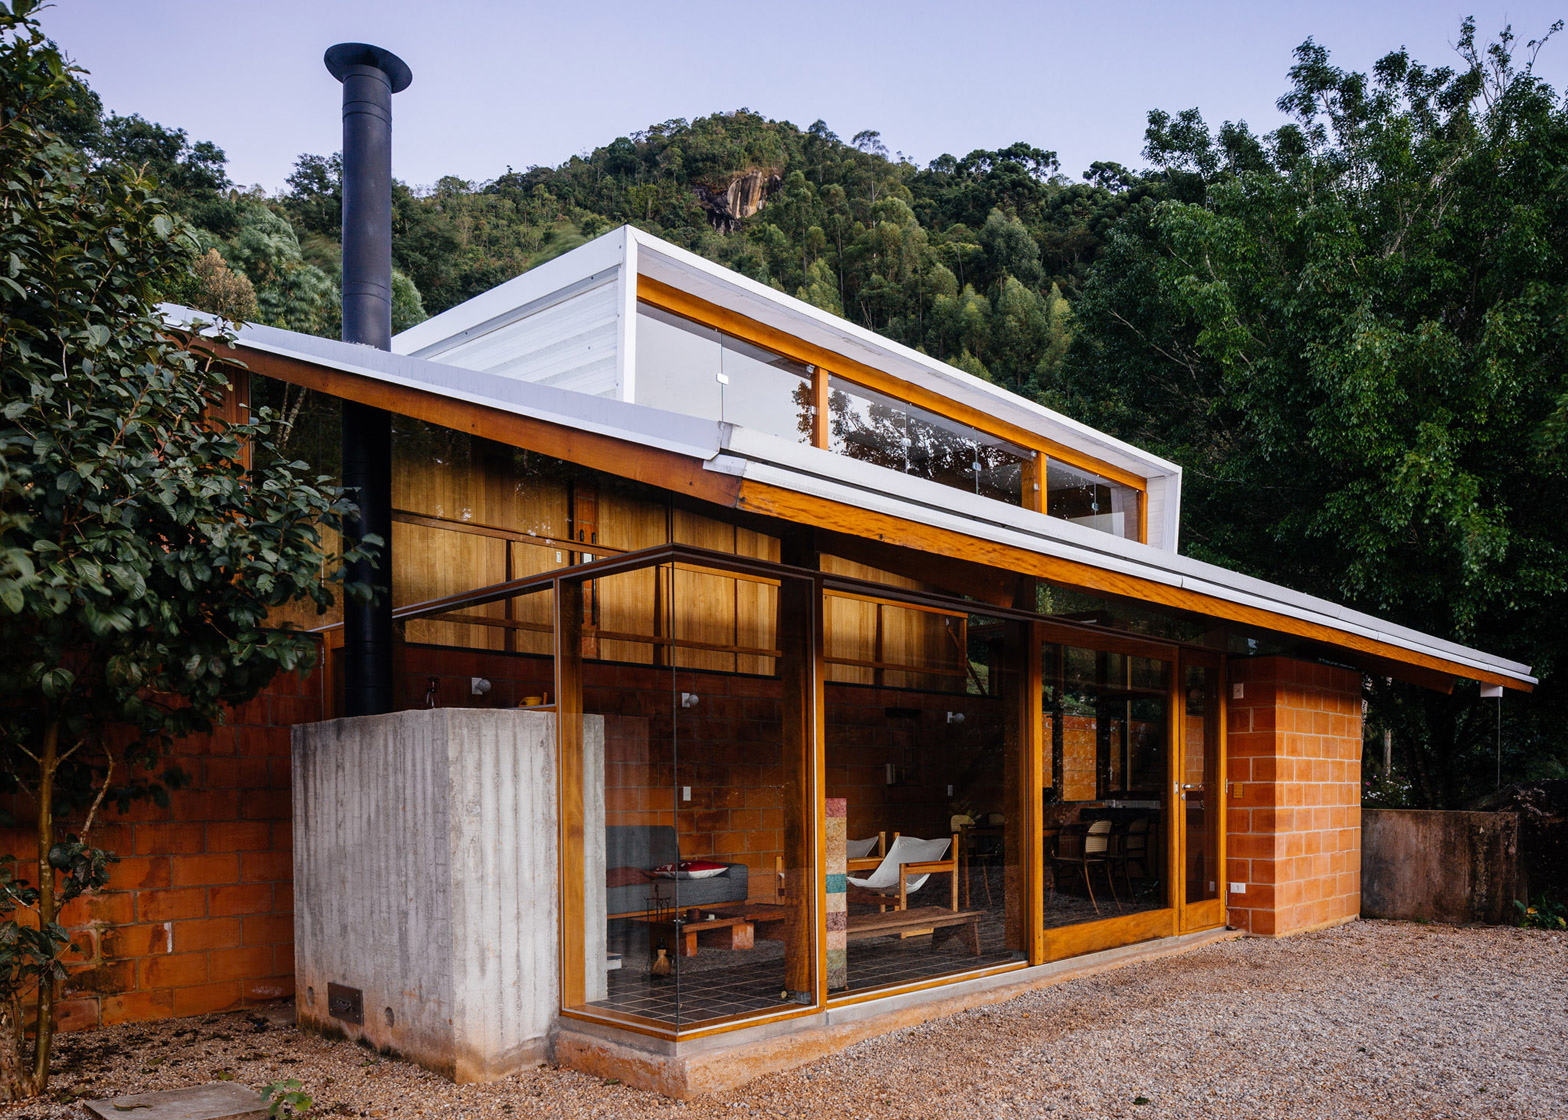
(728, 203)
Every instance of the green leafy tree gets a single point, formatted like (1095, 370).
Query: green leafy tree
(1351, 333)
(139, 558)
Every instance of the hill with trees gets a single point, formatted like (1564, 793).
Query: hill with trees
(1349, 331)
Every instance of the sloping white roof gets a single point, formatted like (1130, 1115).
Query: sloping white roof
(812, 471)
(634, 253)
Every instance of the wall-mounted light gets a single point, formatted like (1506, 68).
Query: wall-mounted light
(689, 699)
(478, 686)
(955, 717)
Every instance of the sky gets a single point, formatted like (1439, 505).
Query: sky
(501, 84)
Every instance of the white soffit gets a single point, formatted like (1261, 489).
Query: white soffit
(587, 266)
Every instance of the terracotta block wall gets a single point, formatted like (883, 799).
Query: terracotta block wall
(199, 912)
(1294, 834)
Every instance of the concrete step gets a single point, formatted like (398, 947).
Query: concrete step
(222, 1100)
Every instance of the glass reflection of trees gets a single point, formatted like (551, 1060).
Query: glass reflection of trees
(874, 428)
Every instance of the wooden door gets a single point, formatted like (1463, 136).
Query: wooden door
(1199, 887)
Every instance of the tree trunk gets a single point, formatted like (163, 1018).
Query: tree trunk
(15, 1085)
(44, 1031)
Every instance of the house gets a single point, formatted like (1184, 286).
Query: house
(763, 684)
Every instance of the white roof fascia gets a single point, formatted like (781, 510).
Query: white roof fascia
(598, 261)
(671, 264)
(777, 462)
(626, 326)
(637, 424)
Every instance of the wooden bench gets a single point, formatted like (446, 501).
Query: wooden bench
(940, 922)
(734, 925)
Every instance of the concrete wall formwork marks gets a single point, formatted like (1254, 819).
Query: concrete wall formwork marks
(426, 877)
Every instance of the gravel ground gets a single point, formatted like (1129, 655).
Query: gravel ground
(1374, 1019)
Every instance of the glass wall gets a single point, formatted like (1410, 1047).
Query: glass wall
(1106, 729)
(1087, 499)
(692, 369)
(876, 428)
(923, 764)
(697, 370)
(697, 896)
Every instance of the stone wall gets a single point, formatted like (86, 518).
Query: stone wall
(1294, 795)
(1440, 866)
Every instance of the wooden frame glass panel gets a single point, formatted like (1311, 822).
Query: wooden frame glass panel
(689, 896)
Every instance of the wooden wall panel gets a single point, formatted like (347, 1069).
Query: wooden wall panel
(444, 563)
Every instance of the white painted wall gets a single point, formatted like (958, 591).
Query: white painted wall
(426, 875)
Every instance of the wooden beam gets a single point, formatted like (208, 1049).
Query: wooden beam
(959, 577)
(622, 458)
(837, 517)
(671, 299)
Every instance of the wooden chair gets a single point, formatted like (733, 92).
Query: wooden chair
(1084, 848)
(909, 862)
(1132, 848)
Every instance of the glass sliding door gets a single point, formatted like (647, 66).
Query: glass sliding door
(1106, 825)
(1202, 787)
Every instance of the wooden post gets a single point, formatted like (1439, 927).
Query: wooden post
(569, 730)
(1023, 761)
(1034, 483)
(801, 692)
(821, 422)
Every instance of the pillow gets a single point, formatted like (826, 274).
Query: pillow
(625, 877)
(691, 869)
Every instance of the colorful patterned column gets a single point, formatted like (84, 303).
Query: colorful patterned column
(838, 898)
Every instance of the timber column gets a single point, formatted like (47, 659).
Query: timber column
(370, 76)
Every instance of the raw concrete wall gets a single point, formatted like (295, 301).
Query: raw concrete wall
(425, 869)
(1440, 866)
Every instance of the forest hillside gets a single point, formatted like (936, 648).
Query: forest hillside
(1349, 331)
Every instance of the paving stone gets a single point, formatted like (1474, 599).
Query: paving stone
(222, 1100)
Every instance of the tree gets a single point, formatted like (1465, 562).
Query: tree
(1350, 333)
(139, 559)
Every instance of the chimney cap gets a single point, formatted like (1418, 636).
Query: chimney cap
(344, 56)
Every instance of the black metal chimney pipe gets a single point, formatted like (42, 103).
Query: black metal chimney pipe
(370, 76)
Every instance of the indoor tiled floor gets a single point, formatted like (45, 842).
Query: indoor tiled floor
(721, 983)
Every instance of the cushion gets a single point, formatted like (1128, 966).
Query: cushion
(625, 877)
(691, 869)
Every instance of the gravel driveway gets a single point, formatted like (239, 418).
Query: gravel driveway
(1374, 1019)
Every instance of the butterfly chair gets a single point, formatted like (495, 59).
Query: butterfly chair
(906, 867)
(1084, 848)
(862, 849)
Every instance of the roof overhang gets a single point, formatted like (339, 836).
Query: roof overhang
(749, 471)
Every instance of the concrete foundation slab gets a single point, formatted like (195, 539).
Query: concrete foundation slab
(715, 1063)
(222, 1100)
